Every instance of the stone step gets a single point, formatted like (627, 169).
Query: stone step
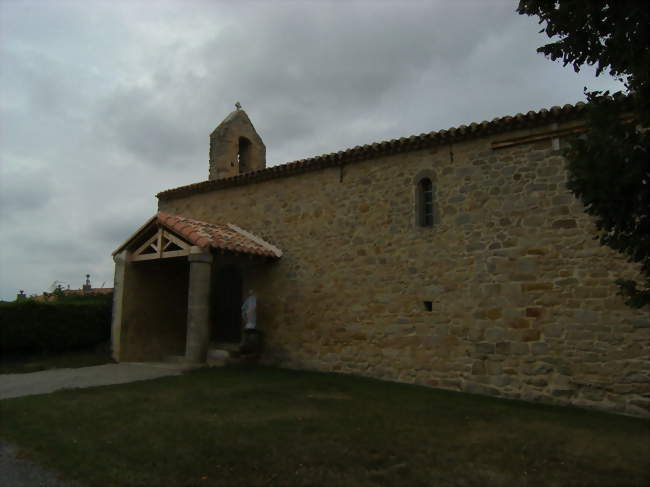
(218, 354)
(175, 359)
(230, 347)
(218, 357)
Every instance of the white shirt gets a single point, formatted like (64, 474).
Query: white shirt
(249, 312)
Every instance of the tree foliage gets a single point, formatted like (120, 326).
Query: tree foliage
(609, 166)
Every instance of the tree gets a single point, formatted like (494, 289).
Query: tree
(609, 165)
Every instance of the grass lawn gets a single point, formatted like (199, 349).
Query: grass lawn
(21, 364)
(254, 426)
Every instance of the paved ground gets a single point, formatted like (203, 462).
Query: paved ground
(46, 381)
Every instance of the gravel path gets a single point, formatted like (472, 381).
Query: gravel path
(46, 381)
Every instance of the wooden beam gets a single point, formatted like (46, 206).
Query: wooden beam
(181, 243)
(146, 245)
(159, 242)
(502, 144)
(135, 258)
(175, 253)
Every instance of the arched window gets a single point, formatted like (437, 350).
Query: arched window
(424, 203)
(243, 155)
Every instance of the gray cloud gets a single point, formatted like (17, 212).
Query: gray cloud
(19, 194)
(146, 127)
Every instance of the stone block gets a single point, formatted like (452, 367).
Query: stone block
(636, 377)
(475, 334)
(533, 312)
(454, 384)
(563, 199)
(537, 286)
(493, 367)
(493, 313)
(537, 155)
(564, 223)
(478, 368)
(576, 335)
(592, 394)
(519, 348)
(519, 323)
(485, 348)
(537, 382)
(552, 330)
(491, 290)
(537, 251)
(500, 380)
(474, 388)
(562, 381)
(641, 324)
(586, 316)
(642, 404)
(495, 334)
(569, 281)
(534, 221)
(538, 348)
(563, 393)
(541, 369)
(530, 335)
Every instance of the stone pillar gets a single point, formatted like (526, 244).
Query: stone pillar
(118, 303)
(198, 306)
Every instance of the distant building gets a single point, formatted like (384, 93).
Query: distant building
(86, 289)
(87, 286)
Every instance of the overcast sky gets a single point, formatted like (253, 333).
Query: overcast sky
(103, 104)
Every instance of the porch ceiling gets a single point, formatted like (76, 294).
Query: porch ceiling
(224, 236)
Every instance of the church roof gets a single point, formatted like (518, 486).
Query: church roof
(224, 236)
(394, 146)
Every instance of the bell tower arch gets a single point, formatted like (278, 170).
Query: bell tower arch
(235, 147)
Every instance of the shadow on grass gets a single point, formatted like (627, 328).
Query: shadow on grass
(264, 426)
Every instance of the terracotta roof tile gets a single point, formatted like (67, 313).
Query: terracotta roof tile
(217, 235)
(203, 235)
(368, 151)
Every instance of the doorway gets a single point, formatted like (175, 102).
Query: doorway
(226, 307)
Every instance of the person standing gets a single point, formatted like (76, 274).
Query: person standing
(249, 311)
(251, 344)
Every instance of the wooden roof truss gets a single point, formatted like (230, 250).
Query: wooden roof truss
(161, 245)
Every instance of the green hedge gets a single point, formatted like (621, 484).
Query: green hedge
(31, 326)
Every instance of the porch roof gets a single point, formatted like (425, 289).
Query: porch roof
(224, 236)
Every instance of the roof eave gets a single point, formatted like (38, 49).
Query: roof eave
(134, 235)
(387, 147)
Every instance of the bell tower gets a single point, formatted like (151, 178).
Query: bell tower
(235, 147)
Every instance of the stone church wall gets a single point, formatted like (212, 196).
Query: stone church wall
(523, 303)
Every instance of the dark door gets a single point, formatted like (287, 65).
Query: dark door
(226, 305)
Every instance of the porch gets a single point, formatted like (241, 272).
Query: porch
(179, 284)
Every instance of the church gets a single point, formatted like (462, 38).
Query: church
(454, 259)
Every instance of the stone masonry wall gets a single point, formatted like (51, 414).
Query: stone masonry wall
(523, 299)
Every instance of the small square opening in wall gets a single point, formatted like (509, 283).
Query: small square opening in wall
(428, 305)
